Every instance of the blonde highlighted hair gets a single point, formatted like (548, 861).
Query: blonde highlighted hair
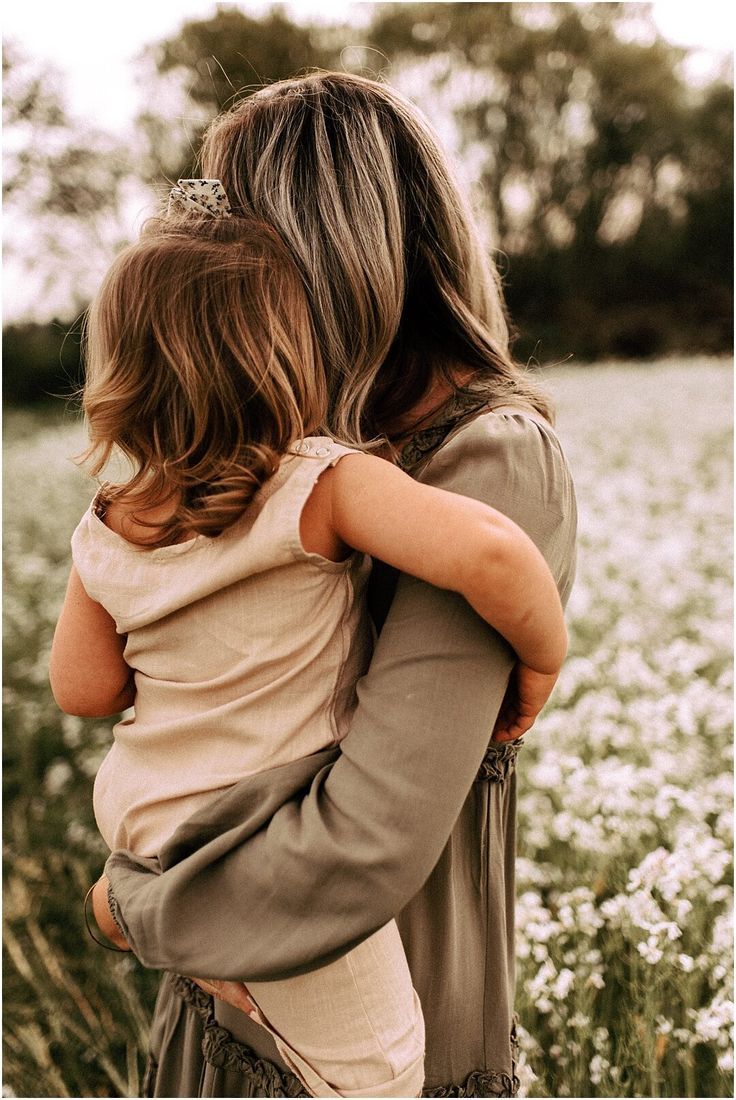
(202, 368)
(353, 179)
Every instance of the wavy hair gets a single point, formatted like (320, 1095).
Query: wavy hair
(202, 368)
(353, 179)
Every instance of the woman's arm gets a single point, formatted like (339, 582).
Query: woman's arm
(291, 870)
(345, 853)
(88, 673)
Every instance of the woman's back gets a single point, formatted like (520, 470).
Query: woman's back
(246, 649)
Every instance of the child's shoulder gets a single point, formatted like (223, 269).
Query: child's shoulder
(319, 446)
(316, 460)
(325, 488)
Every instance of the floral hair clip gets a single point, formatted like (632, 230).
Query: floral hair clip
(205, 196)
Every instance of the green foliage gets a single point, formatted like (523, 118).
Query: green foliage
(624, 243)
(222, 58)
(41, 362)
(35, 98)
(233, 52)
(66, 179)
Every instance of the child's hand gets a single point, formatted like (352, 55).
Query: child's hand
(526, 694)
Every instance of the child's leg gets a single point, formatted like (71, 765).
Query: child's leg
(352, 1028)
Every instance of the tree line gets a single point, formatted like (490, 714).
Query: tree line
(603, 179)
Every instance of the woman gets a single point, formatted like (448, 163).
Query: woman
(415, 816)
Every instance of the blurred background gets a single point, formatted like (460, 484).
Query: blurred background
(595, 142)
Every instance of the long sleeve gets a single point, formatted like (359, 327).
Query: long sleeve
(291, 868)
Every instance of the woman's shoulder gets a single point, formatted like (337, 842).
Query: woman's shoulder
(512, 460)
(505, 423)
(515, 444)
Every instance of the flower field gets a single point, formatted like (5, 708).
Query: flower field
(624, 923)
(625, 948)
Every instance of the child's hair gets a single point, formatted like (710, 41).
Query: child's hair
(202, 369)
(351, 176)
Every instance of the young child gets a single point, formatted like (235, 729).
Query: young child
(219, 587)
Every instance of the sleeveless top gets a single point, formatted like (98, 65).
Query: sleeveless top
(246, 650)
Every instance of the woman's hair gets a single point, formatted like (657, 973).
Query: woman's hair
(202, 369)
(354, 181)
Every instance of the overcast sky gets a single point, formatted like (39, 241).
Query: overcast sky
(94, 42)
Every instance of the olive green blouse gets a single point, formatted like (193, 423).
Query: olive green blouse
(413, 817)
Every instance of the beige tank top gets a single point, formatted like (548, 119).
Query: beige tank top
(246, 650)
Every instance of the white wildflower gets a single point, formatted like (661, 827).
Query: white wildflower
(648, 952)
(563, 984)
(725, 1061)
(599, 1066)
(58, 775)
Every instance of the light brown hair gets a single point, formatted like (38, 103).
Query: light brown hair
(353, 179)
(202, 368)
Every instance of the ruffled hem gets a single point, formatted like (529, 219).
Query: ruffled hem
(499, 762)
(480, 1083)
(221, 1051)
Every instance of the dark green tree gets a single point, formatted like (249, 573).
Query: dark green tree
(599, 163)
(218, 60)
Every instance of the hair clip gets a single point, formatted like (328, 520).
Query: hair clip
(205, 196)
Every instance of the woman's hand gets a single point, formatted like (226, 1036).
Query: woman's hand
(103, 916)
(232, 993)
(525, 696)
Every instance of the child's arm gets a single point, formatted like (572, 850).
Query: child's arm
(89, 676)
(457, 543)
